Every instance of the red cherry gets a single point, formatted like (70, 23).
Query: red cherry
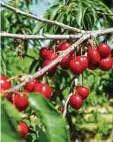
(63, 46)
(75, 66)
(51, 56)
(9, 97)
(83, 91)
(20, 101)
(23, 129)
(94, 56)
(103, 49)
(4, 83)
(83, 60)
(29, 86)
(65, 62)
(45, 51)
(51, 72)
(76, 101)
(105, 64)
(44, 89)
(92, 66)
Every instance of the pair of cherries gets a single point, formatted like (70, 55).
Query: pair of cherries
(76, 99)
(100, 57)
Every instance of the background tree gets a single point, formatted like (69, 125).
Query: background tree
(95, 119)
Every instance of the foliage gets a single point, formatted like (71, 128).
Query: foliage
(90, 119)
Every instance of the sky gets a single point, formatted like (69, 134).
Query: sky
(39, 8)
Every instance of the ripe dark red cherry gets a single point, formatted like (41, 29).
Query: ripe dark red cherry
(76, 101)
(45, 51)
(9, 97)
(63, 46)
(75, 66)
(44, 89)
(65, 62)
(83, 91)
(94, 56)
(29, 86)
(51, 72)
(51, 56)
(105, 64)
(104, 50)
(22, 129)
(83, 60)
(4, 83)
(20, 101)
(92, 66)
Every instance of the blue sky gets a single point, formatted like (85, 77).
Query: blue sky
(39, 8)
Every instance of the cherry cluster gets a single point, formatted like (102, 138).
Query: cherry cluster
(96, 57)
(99, 57)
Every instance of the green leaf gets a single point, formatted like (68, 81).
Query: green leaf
(9, 122)
(79, 14)
(7, 138)
(54, 123)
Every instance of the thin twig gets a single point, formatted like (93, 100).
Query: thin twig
(39, 37)
(106, 14)
(17, 11)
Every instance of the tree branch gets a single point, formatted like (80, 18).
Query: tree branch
(52, 37)
(39, 37)
(17, 11)
(92, 34)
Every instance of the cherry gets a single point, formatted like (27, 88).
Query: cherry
(75, 66)
(51, 71)
(83, 91)
(45, 51)
(20, 101)
(22, 129)
(65, 62)
(94, 56)
(63, 46)
(29, 86)
(92, 66)
(83, 60)
(105, 64)
(44, 89)
(103, 49)
(76, 101)
(9, 97)
(4, 83)
(51, 56)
